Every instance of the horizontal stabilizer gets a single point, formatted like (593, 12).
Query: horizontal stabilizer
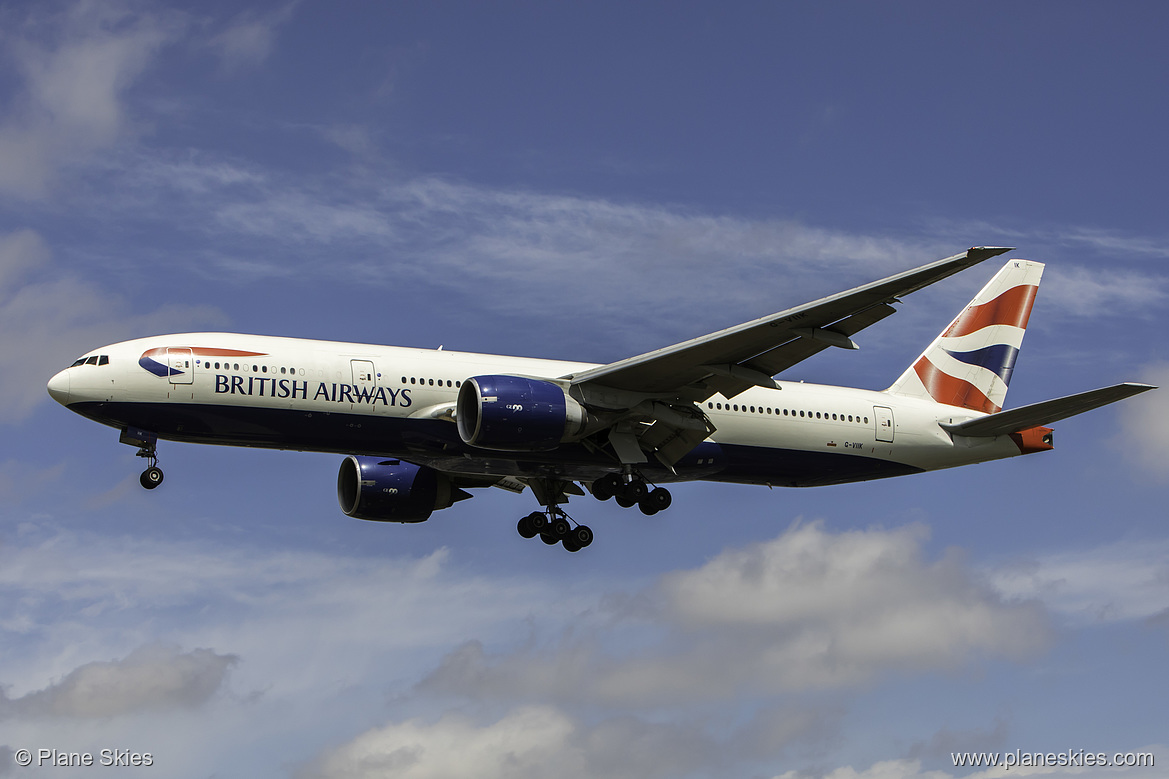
(1036, 414)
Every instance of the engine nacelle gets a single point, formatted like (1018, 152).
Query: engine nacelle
(388, 490)
(511, 413)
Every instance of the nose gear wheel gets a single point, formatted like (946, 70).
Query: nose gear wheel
(152, 476)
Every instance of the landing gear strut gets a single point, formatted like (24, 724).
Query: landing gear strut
(632, 491)
(147, 447)
(152, 476)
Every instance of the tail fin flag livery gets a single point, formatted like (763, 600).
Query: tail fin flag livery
(418, 427)
(970, 363)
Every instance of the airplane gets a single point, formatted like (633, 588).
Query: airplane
(419, 427)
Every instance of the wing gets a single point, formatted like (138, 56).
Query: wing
(733, 360)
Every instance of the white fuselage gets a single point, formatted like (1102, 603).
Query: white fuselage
(288, 393)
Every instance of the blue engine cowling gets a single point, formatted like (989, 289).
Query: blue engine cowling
(388, 490)
(512, 413)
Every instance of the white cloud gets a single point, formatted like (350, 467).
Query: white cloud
(1112, 242)
(249, 38)
(1090, 272)
(886, 769)
(76, 65)
(20, 253)
(866, 598)
(541, 740)
(154, 676)
(1126, 580)
(532, 742)
(120, 592)
(808, 610)
(353, 138)
(624, 264)
(627, 690)
(1145, 424)
(586, 701)
(321, 640)
(946, 741)
(20, 479)
(1103, 292)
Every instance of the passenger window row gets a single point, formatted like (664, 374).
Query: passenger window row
(788, 412)
(234, 366)
(431, 382)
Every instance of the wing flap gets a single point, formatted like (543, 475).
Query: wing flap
(1046, 412)
(786, 355)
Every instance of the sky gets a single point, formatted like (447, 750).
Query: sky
(583, 181)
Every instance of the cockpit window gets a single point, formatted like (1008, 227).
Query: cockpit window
(97, 359)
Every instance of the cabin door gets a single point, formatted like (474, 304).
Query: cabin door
(884, 418)
(180, 363)
(363, 375)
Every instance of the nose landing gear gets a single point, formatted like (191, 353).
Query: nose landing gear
(152, 476)
(147, 447)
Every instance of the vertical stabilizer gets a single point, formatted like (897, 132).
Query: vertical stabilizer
(970, 363)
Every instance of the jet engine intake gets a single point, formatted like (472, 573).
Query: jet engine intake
(512, 413)
(390, 490)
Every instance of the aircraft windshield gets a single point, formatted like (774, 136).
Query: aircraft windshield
(97, 359)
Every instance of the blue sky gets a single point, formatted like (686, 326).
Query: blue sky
(580, 181)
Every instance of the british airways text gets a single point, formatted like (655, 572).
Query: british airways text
(291, 388)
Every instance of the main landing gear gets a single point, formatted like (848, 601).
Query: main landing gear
(552, 524)
(631, 490)
(554, 527)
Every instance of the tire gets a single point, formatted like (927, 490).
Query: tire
(151, 477)
(537, 521)
(647, 507)
(634, 491)
(606, 487)
(559, 528)
(660, 498)
(625, 502)
(582, 535)
(525, 528)
(571, 544)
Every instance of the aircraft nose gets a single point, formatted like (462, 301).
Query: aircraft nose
(59, 387)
